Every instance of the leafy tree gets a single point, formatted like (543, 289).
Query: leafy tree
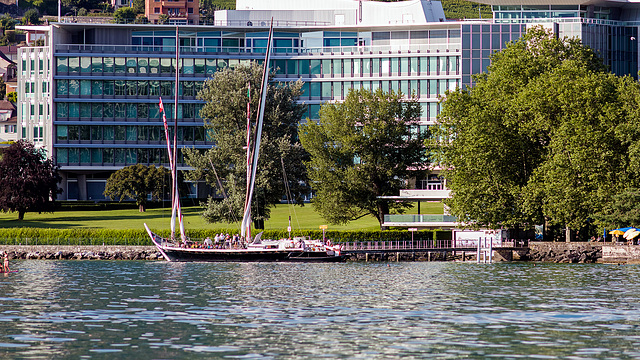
(141, 19)
(13, 97)
(7, 22)
(213, 5)
(137, 182)
(138, 6)
(464, 9)
(31, 17)
(622, 210)
(226, 164)
(534, 140)
(361, 149)
(584, 161)
(163, 19)
(29, 180)
(87, 4)
(8, 38)
(124, 15)
(43, 6)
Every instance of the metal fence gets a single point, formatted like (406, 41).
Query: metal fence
(397, 245)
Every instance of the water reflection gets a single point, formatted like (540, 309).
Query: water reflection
(101, 309)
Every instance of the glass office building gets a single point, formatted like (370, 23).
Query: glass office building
(90, 95)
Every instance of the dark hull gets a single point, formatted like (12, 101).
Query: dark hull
(172, 253)
(246, 256)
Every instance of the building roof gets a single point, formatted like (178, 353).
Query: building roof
(9, 49)
(336, 12)
(608, 3)
(7, 105)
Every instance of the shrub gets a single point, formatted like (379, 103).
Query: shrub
(37, 236)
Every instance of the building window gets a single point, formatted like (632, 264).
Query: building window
(156, 10)
(190, 10)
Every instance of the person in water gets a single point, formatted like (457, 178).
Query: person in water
(5, 268)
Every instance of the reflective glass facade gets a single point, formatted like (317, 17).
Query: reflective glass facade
(90, 97)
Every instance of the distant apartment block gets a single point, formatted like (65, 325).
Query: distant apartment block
(178, 12)
(116, 4)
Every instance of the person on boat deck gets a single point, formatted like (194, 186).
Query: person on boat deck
(5, 268)
(207, 243)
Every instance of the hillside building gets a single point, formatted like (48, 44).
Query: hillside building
(178, 12)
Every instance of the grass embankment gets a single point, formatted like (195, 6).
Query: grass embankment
(158, 219)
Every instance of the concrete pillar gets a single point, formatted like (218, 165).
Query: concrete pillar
(82, 187)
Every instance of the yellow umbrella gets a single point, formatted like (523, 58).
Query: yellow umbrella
(616, 232)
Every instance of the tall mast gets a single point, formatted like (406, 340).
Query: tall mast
(246, 219)
(175, 104)
(176, 211)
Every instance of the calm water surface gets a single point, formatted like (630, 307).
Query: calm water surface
(149, 310)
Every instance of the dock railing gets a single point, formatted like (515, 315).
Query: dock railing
(396, 245)
(420, 244)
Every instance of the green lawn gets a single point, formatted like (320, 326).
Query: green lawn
(301, 218)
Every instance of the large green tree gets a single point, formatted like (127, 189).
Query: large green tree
(43, 6)
(224, 166)
(535, 140)
(31, 17)
(124, 15)
(7, 22)
(137, 182)
(361, 149)
(29, 180)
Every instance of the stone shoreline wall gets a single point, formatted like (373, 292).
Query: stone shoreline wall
(563, 252)
(629, 254)
(98, 252)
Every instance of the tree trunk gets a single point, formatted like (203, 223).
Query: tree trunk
(21, 214)
(141, 208)
(258, 224)
(567, 234)
(383, 209)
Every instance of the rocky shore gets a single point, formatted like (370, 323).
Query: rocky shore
(563, 252)
(63, 252)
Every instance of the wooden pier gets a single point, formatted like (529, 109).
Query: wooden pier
(428, 250)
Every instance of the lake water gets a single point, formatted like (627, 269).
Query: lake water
(122, 309)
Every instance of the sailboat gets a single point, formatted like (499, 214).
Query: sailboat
(254, 249)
